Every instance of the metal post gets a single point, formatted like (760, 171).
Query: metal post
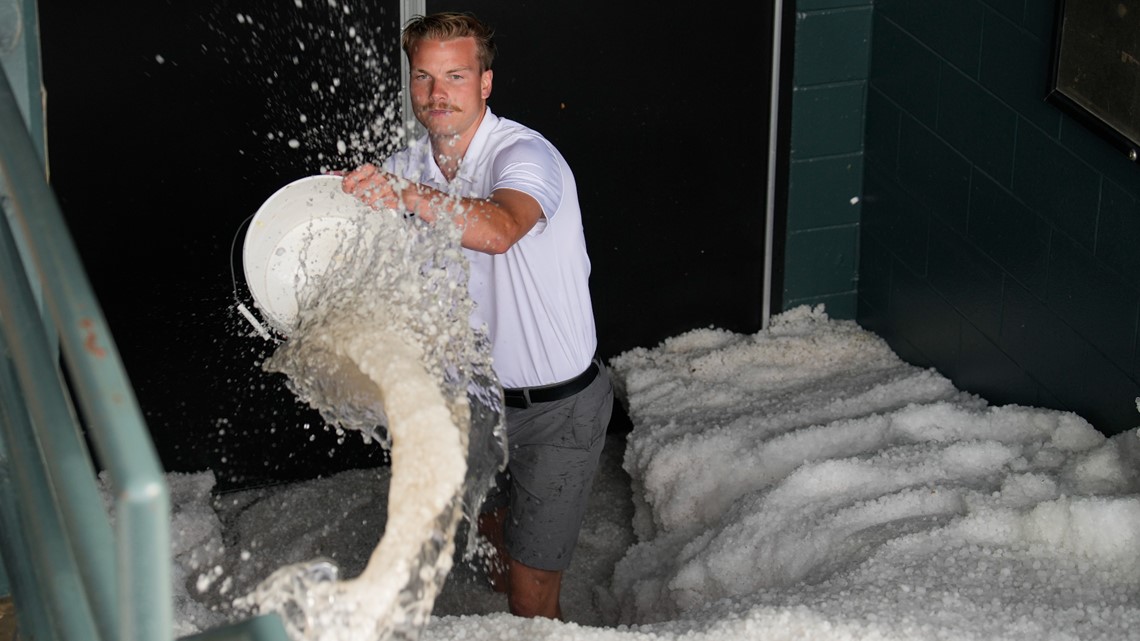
(773, 155)
(408, 10)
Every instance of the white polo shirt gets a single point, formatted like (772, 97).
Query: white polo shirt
(534, 299)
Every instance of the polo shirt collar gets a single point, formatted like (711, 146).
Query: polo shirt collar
(469, 164)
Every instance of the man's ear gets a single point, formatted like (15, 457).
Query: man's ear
(485, 81)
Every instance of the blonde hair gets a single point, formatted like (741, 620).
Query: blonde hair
(449, 25)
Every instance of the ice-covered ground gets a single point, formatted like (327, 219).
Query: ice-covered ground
(798, 483)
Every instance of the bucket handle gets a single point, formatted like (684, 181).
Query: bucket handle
(241, 306)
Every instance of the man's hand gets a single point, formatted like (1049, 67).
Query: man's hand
(490, 225)
(373, 186)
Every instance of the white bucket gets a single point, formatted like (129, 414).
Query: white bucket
(295, 235)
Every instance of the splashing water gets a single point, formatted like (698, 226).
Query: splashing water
(328, 78)
(381, 344)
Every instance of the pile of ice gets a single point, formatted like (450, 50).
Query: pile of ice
(798, 483)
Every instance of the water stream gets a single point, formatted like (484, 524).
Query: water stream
(381, 345)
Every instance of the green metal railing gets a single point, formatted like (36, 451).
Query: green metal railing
(87, 582)
(75, 570)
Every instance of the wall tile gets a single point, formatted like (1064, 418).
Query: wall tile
(836, 46)
(872, 318)
(813, 5)
(1035, 16)
(1081, 378)
(904, 70)
(935, 174)
(821, 262)
(1015, 67)
(894, 218)
(952, 28)
(992, 374)
(925, 320)
(1096, 303)
(1118, 232)
(1046, 398)
(1134, 372)
(961, 282)
(1018, 309)
(831, 61)
(820, 192)
(874, 275)
(1013, 10)
(827, 120)
(904, 349)
(1041, 19)
(968, 279)
(1113, 162)
(1009, 233)
(881, 142)
(1054, 182)
(838, 306)
(977, 125)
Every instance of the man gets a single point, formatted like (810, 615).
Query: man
(516, 200)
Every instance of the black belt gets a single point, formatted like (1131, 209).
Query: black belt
(525, 396)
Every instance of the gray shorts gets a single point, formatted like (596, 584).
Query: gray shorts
(553, 455)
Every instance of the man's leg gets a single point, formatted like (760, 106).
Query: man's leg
(554, 452)
(531, 592)
(491, 528)
(534, 592)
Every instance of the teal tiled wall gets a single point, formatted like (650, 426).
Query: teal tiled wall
(998, 238)
(832, 47)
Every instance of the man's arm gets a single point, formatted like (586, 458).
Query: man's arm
(490, 225)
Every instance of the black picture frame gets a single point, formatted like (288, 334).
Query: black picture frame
(1095, 74)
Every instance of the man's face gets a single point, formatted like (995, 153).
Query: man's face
(449, 93)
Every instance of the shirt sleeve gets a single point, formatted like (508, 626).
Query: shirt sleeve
(530, 165)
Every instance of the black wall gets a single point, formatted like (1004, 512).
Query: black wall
(663, 117)
(167, 128)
